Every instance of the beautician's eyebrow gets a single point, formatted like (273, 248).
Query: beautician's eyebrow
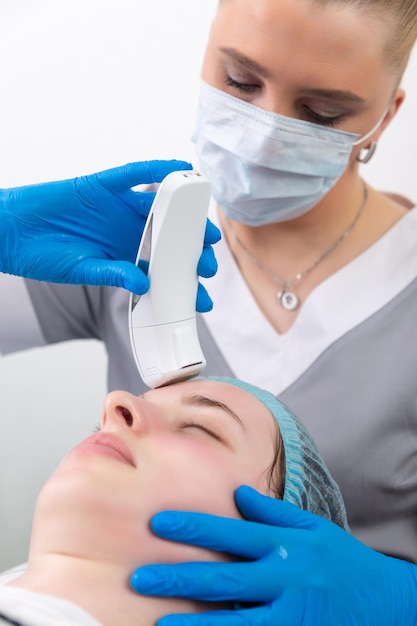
(198, 400)
(330, 94)
(334, 94)
(246, 61)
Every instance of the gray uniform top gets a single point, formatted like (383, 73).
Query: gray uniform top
(347, 368)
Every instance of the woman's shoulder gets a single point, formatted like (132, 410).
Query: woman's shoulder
(400, 199)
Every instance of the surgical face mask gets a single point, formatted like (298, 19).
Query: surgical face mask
(266, 167)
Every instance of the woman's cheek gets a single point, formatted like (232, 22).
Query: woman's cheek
(197, 477)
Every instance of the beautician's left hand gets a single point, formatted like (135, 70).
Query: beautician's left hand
(86, 230)
(297, 569)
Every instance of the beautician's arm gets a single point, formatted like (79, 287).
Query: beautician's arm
(297, 570)
(87, 230)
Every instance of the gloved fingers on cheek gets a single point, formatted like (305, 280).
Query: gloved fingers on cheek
(240, 537)
(259, 508)
(272, 614)
(207, 264)
(214, 582)
(267, 615)
(204, 303)
(215, 618)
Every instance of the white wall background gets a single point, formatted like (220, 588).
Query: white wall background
(87, 85)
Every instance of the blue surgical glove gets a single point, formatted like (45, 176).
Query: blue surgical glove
(294, 568)
(87, 230)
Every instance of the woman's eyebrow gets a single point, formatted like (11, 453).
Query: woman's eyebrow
(246, 61)
(335, 94)
(203, 401)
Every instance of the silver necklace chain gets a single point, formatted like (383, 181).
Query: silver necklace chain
(286, 296)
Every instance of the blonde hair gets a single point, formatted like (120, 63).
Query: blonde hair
(401, 19)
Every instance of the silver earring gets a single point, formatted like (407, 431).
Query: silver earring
(369, 153)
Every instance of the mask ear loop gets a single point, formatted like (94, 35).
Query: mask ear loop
(365, 158)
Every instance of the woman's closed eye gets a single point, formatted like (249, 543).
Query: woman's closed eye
(247, 88)
(325, 120)
(203, 428)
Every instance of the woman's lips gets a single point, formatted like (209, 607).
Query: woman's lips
(107, 445)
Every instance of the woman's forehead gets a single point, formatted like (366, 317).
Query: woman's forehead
(341, 29)
(250, 410)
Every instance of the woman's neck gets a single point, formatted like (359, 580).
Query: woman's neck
(302, 253)
(299, 239)
(310, 233)
(101, 589)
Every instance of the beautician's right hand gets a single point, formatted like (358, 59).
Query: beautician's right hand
(87, 230)
(293, 567)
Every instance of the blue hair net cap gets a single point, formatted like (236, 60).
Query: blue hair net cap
(308, 482)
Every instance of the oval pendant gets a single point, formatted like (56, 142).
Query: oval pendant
(288, 300)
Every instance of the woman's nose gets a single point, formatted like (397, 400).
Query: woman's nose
(273, 101)
(126, 410)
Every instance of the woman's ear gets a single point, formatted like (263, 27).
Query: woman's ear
(366, 152)
(396, 103)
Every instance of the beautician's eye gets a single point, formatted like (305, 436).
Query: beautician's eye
(203, 428)
(325, 120)
(243, 87)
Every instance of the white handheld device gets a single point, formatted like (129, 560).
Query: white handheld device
(162, 322)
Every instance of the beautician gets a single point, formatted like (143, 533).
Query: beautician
(315, 299)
